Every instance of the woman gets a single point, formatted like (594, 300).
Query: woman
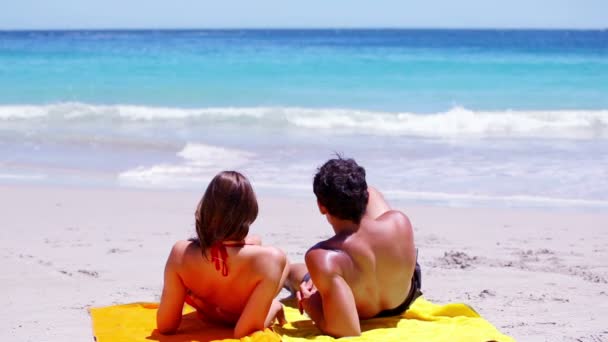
(228, 277)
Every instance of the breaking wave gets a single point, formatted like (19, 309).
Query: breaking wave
(456, 122)
(199, 164)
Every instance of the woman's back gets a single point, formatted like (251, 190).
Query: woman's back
(227, 279)
(246, 266)
(243, 297)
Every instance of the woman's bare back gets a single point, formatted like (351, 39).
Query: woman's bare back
(227, 293)
(219, 298)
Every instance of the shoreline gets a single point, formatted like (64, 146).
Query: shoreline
(418, 199)
(537, 275)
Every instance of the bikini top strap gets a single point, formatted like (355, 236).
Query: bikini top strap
(219, 255)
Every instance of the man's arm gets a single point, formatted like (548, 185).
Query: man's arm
(332, 306)
(376, 204)
(169, 314)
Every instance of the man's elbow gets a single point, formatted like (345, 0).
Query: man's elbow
(338, 332)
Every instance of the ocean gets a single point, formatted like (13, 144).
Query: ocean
(491, 118)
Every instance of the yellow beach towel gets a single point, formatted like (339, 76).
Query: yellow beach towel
(424, 321)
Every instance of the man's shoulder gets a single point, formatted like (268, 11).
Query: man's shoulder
(324, 258)
(395, 218)
(325, 248)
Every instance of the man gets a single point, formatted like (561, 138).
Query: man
(368, 268)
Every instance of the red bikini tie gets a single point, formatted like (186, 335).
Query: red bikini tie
(220, 260)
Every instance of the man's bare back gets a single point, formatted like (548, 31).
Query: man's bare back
(377, 261)
(366, 269)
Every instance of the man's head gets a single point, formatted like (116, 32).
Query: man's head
(341, 189)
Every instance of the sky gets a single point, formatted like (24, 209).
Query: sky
(155, 14)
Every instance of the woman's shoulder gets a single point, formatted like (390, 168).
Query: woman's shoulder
(181, 246)
(266, 258)
(182, 249)
(254, 244)
(265, 253)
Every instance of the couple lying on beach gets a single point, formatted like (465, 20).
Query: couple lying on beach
(367, 269)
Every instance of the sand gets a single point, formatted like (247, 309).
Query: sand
(537, 275)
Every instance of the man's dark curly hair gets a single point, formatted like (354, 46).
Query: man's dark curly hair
(341, 188)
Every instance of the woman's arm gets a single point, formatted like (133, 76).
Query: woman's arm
(257, 310)
(210, 312)
(169, 314)
(276, 312)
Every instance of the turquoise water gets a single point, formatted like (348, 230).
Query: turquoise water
(464, 117)
(421, 71)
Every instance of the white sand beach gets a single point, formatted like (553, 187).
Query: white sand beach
(536, 275)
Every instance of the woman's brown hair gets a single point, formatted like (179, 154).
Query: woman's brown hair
(226, 211)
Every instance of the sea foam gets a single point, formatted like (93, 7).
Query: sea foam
(199, 164)
(523, 200)
(456, 122)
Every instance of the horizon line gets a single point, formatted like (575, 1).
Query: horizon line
(315, 28)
